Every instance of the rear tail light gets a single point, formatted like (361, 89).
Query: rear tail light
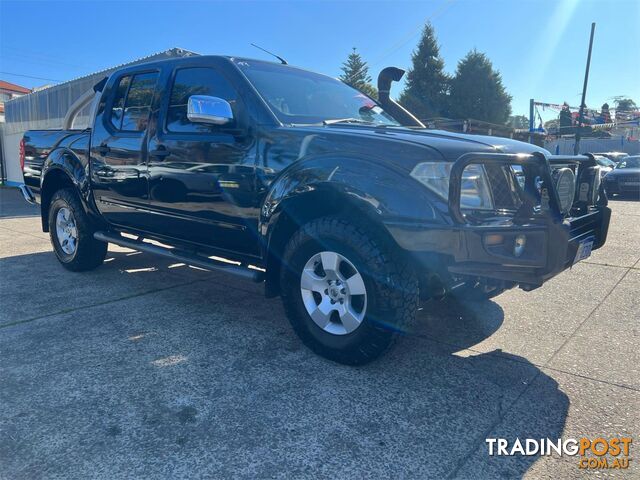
(21, 154)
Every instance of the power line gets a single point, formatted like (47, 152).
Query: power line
(39, 55)
(439, 11)
(35, 61)
(30, 76)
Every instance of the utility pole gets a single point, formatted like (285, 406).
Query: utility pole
(576, 147)
(531, 121)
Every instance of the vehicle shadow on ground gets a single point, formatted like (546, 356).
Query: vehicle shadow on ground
(210, 375)
(624, 197)
(12, 205)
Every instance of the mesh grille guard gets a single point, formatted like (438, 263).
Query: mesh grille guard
(533, 165)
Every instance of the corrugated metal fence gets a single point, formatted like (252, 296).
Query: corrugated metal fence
(564, 146)
(46, 109)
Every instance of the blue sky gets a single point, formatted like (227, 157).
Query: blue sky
(538, 46)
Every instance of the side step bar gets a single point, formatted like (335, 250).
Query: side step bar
(181, 257)
(27, 194)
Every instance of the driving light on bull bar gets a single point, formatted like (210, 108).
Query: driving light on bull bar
(474, 193)
(518, 245)
(566, 187)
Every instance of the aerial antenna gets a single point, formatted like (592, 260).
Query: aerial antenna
(282, 60)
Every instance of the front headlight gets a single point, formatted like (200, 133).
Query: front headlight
(474, 194)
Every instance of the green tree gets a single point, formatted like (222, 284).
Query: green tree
(552, 125)
(624, 104)
(624, 108)
(518, 121)
(477, 91)
(356, 73)
(426, 86)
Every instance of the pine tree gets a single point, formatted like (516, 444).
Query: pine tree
(426, 86)
(356, 73)
(477, 91)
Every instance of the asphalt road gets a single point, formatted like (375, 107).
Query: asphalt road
(143, 369)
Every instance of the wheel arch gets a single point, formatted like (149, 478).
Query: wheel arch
(366, 190)
(295, 211)
(61, 169)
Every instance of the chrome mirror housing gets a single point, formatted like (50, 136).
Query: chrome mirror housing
(206, 109)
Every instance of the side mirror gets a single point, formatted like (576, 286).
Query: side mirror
(206, 109)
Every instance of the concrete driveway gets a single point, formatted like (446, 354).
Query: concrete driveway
(143, 369)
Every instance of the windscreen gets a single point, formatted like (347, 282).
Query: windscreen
(630, 162)
(300, 97)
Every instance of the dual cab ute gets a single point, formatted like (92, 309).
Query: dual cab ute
(350, 208)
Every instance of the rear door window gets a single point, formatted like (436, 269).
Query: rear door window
(132, 103)
(138, 105)
(118, 102)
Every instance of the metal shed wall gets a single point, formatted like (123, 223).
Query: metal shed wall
(45, 109)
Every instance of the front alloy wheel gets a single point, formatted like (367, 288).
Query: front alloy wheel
(346, 290)
(333, 292)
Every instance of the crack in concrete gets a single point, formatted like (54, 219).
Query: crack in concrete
(610, 265)
(466, 458)
(99, 304)
(46, 239)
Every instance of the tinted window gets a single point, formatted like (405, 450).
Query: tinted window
(198, 81)
(630, 162)
(138, 104)
(118, 103)
(298, 96)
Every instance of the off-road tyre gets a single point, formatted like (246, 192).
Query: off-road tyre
(89, 253)
(391, 289)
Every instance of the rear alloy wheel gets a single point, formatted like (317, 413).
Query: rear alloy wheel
(346, 290)
(66, 231)
(72, 232)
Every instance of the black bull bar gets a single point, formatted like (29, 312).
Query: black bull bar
(540, 210)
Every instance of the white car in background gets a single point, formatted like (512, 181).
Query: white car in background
(606, 164)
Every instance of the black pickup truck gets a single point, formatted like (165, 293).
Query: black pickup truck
(348, 208)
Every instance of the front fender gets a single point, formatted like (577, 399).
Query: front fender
(358, 188)
(381, 189)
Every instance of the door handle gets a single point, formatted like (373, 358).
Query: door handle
(103, 149)
(160, 152)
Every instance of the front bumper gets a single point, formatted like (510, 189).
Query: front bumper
(622, 185)
(486, 250)
(464, 250)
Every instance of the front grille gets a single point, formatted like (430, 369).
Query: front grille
(507, 190)
(503, 188)
(629, 178)
(526, 186)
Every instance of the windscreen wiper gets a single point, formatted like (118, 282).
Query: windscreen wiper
(347, 120)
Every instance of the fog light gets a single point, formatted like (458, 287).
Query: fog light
(518, 245)
(493, 239)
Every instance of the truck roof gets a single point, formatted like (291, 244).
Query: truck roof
(204, 58)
